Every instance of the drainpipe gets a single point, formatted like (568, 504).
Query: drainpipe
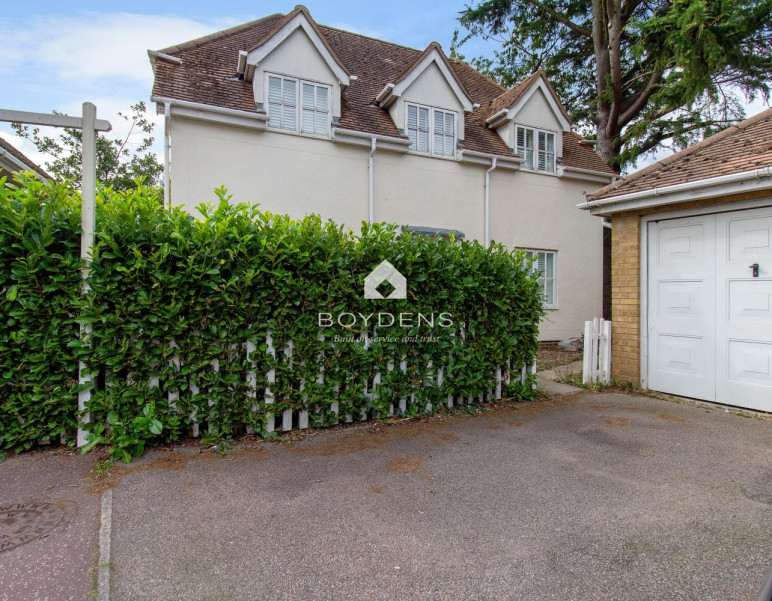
(167, 149)
(373, 144)
(488, 202)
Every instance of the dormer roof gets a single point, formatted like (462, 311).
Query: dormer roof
(433, 55)
(506, 106)
(299, 18)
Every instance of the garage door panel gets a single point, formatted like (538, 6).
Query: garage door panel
(681, 245)
(744, 309)
(750, 361)
(682, 355)
(749, 238)
(682, 306)
(750, 300)
(681, 299)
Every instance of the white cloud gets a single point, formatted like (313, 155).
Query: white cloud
(95, 45)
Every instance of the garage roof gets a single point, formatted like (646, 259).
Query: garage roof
(742, 147)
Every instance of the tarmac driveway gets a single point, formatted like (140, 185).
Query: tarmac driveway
(596, 496)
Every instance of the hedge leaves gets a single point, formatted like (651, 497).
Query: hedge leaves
(174, 301)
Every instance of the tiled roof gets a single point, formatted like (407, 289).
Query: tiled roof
(24, 159)
(207, 75)
(578, 153)
(742, 147)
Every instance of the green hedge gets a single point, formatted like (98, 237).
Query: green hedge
(174, 301)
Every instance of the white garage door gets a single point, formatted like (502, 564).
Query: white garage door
(709, 318)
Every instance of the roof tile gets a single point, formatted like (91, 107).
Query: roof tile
(207, 75)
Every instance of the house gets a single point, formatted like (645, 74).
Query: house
(692, 269)
(13, 160)
(304, 118)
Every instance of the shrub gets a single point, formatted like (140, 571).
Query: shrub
(174, 300)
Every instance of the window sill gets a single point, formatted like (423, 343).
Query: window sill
(429, 155)
(278, 130)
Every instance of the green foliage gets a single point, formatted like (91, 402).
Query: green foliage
(120, 161)
(173, 301)
(633, 74)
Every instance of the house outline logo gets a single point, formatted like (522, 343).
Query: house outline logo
(385, 272)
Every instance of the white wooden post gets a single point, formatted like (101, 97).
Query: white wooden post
(271, 376)
(251, 380)
(90, 125)
(87, 227)
(604, 358)
(286, 422)
(587, 352)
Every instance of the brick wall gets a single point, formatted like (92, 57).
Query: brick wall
(625, 297)
(625, 283)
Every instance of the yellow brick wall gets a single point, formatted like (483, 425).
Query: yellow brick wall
(625, 284)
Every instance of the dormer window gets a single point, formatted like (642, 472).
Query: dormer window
(431, 130)
(298, 105)
(537, 148)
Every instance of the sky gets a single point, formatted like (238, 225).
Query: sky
(58, 54)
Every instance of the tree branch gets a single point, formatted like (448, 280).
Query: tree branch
(642, 98)
(561, 18)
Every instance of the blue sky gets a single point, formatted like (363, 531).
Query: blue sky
(59, 54)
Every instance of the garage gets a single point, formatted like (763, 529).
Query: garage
(691, 269)
(709, 307)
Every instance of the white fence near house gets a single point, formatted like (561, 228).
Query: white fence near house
(312, 416)
(596, 365)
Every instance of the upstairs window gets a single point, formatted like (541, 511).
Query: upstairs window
(282, 102)
(316, 109)
(298, 105)
(537, 148)
(544, 267)
(431, 130)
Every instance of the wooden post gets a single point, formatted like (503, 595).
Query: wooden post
(87, 227)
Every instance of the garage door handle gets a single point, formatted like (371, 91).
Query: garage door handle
(755, 268)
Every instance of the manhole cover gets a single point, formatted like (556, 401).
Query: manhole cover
(23, 522)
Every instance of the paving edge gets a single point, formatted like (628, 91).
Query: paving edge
(105, 534)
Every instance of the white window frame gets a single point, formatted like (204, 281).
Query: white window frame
(432, 111)
(536, 131)
(542, 279)
(298, 104)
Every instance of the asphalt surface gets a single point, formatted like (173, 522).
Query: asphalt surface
(591, 496)
(599, 497)
(60, 565)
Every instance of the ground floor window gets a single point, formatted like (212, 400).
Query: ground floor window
(545, 265)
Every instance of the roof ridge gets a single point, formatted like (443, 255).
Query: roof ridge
(709, 141)
(217, 35)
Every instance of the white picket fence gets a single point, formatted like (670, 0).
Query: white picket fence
(596, 365)
(290, 419)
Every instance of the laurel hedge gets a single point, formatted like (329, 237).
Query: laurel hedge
(174, 299)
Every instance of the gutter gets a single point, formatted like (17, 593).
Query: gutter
(704, 188)
(494, 160)
(360, 138)
(484, 158)
(208, 108)
(592, 172)
(19, 163)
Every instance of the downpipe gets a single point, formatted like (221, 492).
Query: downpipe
(488, 202)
